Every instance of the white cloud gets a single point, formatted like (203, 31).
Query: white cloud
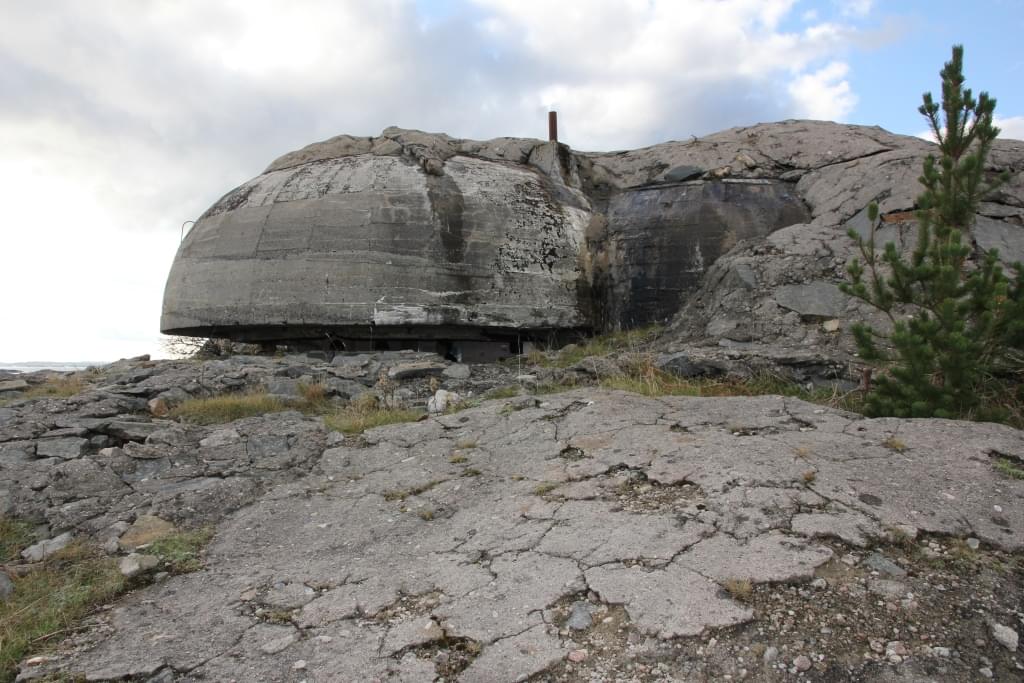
(824, 94)
(118, 121)
(1011, 127)
(855, 8)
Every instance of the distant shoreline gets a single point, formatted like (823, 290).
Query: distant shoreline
(59, 366)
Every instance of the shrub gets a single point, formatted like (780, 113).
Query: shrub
(964, 318)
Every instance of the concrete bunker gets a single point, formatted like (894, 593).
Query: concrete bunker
(470, 249)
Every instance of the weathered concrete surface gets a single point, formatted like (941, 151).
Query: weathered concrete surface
(375, 241)
(394, 560)
(661, 239)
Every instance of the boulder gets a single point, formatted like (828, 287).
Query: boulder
(457, 371)
(43, 549)
(66, 448)
(819, 299)
(6, 587)
(404, 371)
(135, 564)
(442, 400)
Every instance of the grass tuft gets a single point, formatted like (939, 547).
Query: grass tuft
(227, 408)
(54, 596)
(602, 345)
(738, 589)
(643, 378)
(357, 417)
(181, 551)
(545, 388)
(894, 444)
(48, 602)
(1009, 468)
(402, 494)
(544, 487)
(313, 399)
(509, 391)
(54, 387)
(15, 536)
(58, 387)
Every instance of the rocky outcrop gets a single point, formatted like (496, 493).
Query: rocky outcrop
(108, 454)
(774, 300)
(578, 533)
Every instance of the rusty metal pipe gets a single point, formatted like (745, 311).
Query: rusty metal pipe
(553, 126)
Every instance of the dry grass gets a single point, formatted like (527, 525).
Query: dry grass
(509, 391)
(643, 378)
(601, 345)
(51, 600)
(15, 536)
(57, 387)
(1009, 468)
(313, 398)
(356, 422)
(544, 488)
(366, 412)
(402, 494)
(738, 589)
(894, 444)
(545, 388)
(181, 551)
(227, 407)
(48, 602)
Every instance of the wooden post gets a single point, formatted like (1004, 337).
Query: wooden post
(553, 126)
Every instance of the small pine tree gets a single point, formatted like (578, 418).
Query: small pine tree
(964, 316)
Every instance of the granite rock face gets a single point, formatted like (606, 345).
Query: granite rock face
(774, 300)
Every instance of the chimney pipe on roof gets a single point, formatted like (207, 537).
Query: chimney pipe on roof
(553, 126)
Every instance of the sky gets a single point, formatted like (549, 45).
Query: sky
(122, 119)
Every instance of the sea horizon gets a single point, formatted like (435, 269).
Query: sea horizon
(59, 366)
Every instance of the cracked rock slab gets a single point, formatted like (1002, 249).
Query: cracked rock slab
(669, 602)
(515, 657)
(771, 557)
(388, 553)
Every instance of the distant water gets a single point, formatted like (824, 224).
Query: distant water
(63, 366)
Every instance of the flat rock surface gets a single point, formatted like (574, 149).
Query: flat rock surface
(393, 560)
